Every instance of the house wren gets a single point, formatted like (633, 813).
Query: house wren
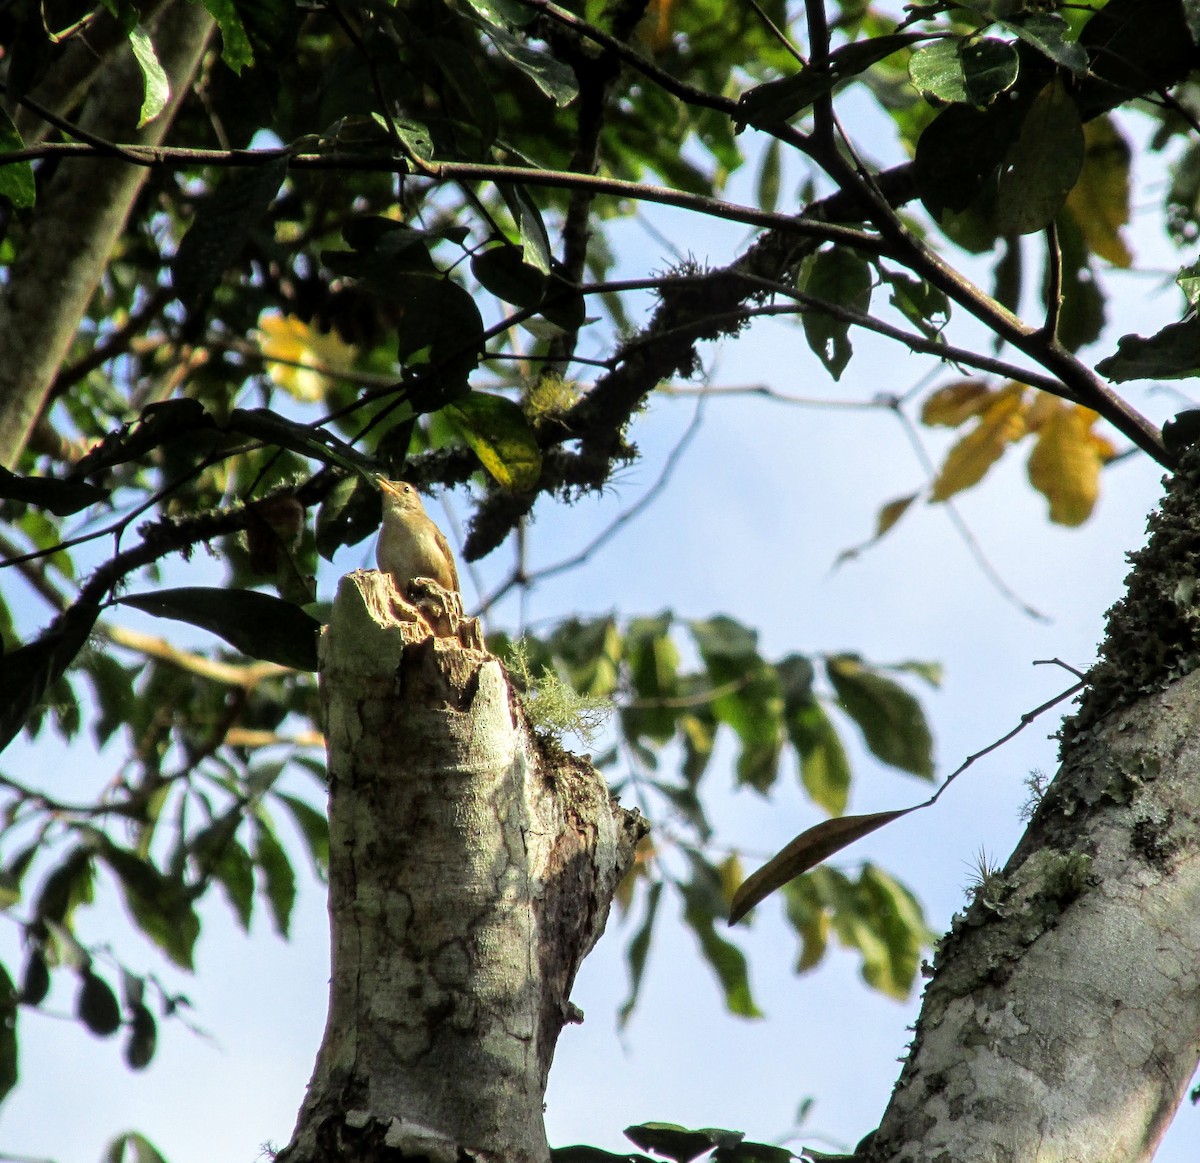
(410, 544)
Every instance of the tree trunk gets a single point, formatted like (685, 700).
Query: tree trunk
(77, 220)
(471, 870)
(1063, 1018)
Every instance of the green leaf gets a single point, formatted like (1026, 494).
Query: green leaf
(132, 1148)
(1042, 164)
(60, 497)
(160, 905)
(837, 276)
(680, 1143)
(1170, 354)
(16, 179)
(224, 222)
(1047, 32)
(8, 1034)
(535, 242)
(235, 45)
(777, 102)
(503, 271)
(259, 625)
(497, 432)
(653, 661)
(143, 1038)
(769, 173)
(1183, 430)
(890, 719)
(824, 769)
(554, 77)
(96, 1005)
(66, 886)
(157, 425)
(918, 301)
(752, 1153)
(279, 879)
(975, 71)
(637, 952)
(28, 673)
(313, 826)
(156, 88)
(895, 918)
(306, 439)
(703, 903)
(35, 980)
(583, 1154)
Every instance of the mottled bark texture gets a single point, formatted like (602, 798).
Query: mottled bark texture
(1062, 1022)
(471, 870)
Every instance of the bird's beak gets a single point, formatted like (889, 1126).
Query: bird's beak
(386, 487)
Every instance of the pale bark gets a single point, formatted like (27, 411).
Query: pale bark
(1063, 1019)
(77, 221)
(471, 870)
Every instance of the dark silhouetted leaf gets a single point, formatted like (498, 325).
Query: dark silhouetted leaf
(258, 625)
(348, 514)
(35, 981)
(279, 879)
(271, 428)
(777, 102)
(96, 1005)
(837, 276)
(60, 497)
(143, 1038)
(503, 271)
(160, 905)
(1170, 354)
(223, 224)
(1048, 32)
(132, 1148)
(679, 1143)
(314, 827)
(8, 1034)
(157, 425)
(27, 673)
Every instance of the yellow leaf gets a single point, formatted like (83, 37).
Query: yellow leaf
(967, 462)
(1065, 463)
(1043, 407)
(956, 403)
(642, 856)
(1099, 203)
(297, 356)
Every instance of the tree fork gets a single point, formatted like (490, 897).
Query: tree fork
(472, 866)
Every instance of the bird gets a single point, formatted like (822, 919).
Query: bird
(410, 544)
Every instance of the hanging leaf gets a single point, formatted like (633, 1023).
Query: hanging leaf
(143, 1038)
(259, 625)
(890, 719)
(9, 1071)
(703, 902)
(28, 673)
(1001, 424)
(1048, 33)
(156, 90)
(235, 45)
(304, 362)
(96, 1005)
(1042, 164)
(503, 271)
(637, 952)
(278, 876)
(554, 77)
(497, 432)
(132, 1148)
(1099, 202)
(806, 851)
(837, 276)
(1065, 463)
(160, 905)
(955, 403)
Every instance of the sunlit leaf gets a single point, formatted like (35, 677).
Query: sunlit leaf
(156, 89)
(1099, 201)
(16, 180)
(497, 432)
(1065, 463)
(1000, 424)
(299, 358)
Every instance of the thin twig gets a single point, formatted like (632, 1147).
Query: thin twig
(1054, 283)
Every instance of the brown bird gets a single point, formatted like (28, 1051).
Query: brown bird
(410, 544)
